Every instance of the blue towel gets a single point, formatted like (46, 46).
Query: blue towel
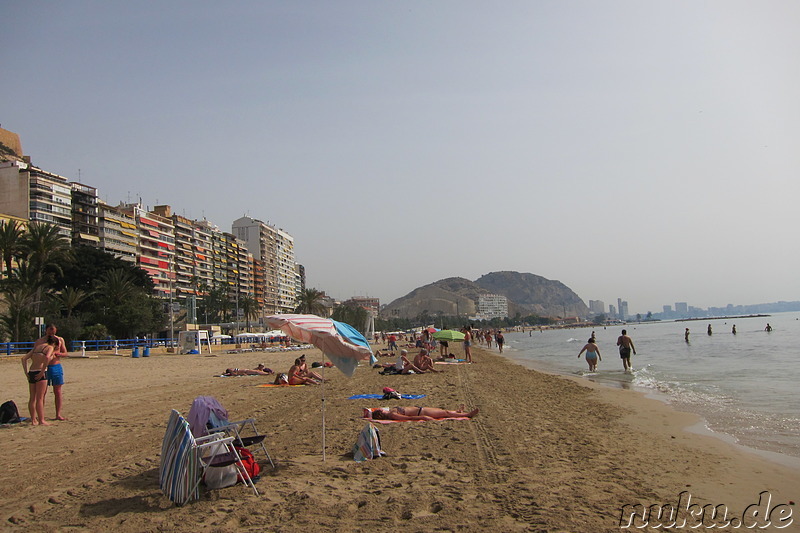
(379, 396)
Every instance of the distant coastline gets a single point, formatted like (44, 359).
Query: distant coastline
(719, 317)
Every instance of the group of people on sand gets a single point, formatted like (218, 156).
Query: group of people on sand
(45, 370)
(299, 374)
(421, 364)
(624, 343)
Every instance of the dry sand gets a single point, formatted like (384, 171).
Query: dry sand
(544, 454)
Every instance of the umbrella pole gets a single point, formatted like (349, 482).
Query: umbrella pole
(323, 407)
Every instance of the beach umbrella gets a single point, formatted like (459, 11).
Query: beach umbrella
(449, 335)
(340, 342)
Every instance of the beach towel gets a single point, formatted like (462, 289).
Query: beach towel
(368, 416)
(281, 385)
(456, 362)
(368, 445)
(380, 396)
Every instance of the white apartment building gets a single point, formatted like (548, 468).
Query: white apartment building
(275, 249)
(492, 306)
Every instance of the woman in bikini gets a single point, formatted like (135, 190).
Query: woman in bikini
(39, 357)
(420, 413)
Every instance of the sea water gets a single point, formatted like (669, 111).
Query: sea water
(746, 385)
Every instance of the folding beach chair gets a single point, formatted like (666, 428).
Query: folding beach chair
(184, 460)
(208, 415)
(236, 428)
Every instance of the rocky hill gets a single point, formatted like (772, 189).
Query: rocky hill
(528, 294)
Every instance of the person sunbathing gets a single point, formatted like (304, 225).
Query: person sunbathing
(305, 372)
(424, 362)
(247, 371)
(420, 413)
(296, 376)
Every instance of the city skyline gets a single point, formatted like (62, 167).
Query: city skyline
(629, 149)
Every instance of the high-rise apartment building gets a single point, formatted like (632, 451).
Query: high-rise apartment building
(36, 195)
(85, 215)
(492, 306)
(156, 253)
(275, 249)
(597, 306)
(118, 233)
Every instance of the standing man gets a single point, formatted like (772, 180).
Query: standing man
(55, 372)
(500, 340)
(625, 344)
(467, 343)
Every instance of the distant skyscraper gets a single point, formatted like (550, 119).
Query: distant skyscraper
(597, 306)
(612, 311)
(681, 307)
(622, 307)
(667, 309)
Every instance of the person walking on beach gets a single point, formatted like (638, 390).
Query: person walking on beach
(500, 340)
(709, 329)
(686, 335)
(55, 372)
(592, 354)
(625, 344)
(733, 329)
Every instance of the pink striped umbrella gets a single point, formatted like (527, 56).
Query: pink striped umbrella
(322, 333)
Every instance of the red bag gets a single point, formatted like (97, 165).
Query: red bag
(249, 462)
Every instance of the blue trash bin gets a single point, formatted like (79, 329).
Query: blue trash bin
(135, 352)
(146, 351)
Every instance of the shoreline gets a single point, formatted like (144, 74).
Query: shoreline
(544, 453)
(702, 425)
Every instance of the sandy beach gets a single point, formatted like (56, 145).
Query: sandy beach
(546, 453)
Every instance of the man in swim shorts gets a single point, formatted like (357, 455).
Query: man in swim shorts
(625, 344)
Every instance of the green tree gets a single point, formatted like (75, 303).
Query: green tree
(354, 315)
(45, 248)
(18, 317)
(89, 264)
(310, 301)
(115, 286)
(249, 307)
(70, 298)
(10, 244)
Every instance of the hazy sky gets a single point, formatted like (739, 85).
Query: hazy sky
(643, 150)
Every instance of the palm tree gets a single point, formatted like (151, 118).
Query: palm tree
(10, 243)
(115, 286)
(249, 307)
(18, 318)
(70, 298)
(310, 301)
(45, 248)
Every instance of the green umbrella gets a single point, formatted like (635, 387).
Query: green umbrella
(448, 335)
